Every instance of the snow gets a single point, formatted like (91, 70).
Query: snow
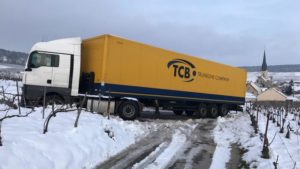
(151, 157)
(288, 150)
(232, 129)
(250, 96)
(9, 86)
(4, 67)
(293, 98)
(165, 158)
(276, 76)
(94, 140)
(97, 139)
(237, 129)
(252, 76)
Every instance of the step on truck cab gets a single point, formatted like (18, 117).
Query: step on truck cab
(127, 75)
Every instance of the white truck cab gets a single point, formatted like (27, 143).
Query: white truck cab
(54, 65)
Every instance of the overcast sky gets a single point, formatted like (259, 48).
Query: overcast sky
(233, 32)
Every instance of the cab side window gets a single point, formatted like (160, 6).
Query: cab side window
(43, 59)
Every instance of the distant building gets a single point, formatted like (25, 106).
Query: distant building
(253, 88)
(264, 67)
(3, 58)
(272, 94)
(263, 80)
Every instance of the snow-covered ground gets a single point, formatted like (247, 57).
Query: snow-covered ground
(276, 76)
(236, 128)
(4, 67)
(63, 146)
(287, 150)
(94, 140)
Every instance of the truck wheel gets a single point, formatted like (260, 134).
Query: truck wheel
(223, 110)
(178, 112)
(128, 110)
(53, 98)
(202, 111)
(214, 111)
(189, 113)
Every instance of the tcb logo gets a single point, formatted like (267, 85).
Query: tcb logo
(182, 69)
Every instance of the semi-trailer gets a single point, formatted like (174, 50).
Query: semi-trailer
(130, 75)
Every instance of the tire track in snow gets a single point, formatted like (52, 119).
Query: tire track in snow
(138, 151)
(199, 148)
(151, 158)
(168, 155)
(175, 144)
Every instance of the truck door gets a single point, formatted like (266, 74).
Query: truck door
(61, 73)
(40, 68)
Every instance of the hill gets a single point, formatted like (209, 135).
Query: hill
(13, 57)
(274, 68)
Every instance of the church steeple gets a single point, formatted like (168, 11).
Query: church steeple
(264, 66)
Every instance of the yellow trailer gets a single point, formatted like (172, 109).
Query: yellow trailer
(124, 68)
(120, 76)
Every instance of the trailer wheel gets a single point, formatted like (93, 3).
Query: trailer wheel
(178, 112)
(189, 113)
(202, 111)
(223, 110)
(128, 110)
(213, 111)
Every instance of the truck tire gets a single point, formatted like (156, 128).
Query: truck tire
(214, 111)
(202, 111)
(223, 110)
(189, 113)
(128, 110)
(178, 112)
(54, 98)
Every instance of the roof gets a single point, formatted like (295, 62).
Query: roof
(272, 94)
(280, 92)
(256, 87)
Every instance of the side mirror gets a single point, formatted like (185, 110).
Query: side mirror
(28, 70)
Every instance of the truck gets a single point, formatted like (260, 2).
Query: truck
(125, 75)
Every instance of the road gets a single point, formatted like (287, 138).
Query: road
(180, 142)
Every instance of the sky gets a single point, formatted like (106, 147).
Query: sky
(233, 32)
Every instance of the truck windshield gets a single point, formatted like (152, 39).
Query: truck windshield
(43, 59)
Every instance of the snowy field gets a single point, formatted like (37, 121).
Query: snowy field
(63, 146)
(4, 67)
(236, 128)
(277, 76)
(98, 138)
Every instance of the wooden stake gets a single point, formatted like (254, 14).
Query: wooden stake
(44, 102)
(108, 106)
(18, 97)
(79, 110)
